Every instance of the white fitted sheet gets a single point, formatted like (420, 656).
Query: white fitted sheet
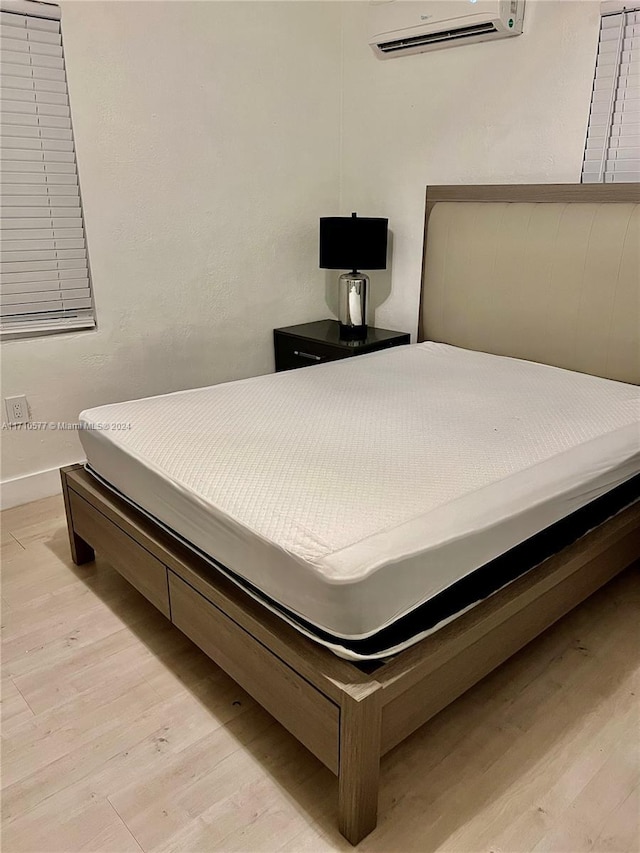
(353, 492)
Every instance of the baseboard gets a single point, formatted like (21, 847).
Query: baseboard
(31, 487)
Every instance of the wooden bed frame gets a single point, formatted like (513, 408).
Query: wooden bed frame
(345, 714)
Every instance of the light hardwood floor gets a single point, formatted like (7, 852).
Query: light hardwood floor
(120, 735)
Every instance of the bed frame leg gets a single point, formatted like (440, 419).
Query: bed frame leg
(81, 551)
(359, 771)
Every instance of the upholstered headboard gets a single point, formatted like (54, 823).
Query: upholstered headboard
(548, 272)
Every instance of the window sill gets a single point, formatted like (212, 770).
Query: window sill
(25, 332)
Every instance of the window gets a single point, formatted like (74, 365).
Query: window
(44, 271)
(612, 152)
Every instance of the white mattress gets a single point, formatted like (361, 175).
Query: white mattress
(353, 492)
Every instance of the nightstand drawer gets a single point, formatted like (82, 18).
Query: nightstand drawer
(293, 352)
(321, 341)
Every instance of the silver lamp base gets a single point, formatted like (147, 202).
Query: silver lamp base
(352, 305)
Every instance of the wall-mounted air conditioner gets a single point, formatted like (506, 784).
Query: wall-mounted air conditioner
(399, 27)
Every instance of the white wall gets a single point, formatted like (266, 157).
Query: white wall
(208, 146)
(211, 136)
(512, 111)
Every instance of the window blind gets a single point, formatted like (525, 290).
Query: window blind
(612, 151)
(44, 271)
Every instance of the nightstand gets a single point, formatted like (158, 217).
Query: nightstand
(316, 343)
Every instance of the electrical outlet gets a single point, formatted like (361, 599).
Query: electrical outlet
(17, 410)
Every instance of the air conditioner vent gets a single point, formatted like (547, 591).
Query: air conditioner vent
(399, 28)
(433, 38)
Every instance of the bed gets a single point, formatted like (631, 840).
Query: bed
(352, 576)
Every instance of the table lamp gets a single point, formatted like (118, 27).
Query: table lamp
(353, 242)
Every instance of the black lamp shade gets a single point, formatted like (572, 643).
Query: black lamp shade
(353, 243)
